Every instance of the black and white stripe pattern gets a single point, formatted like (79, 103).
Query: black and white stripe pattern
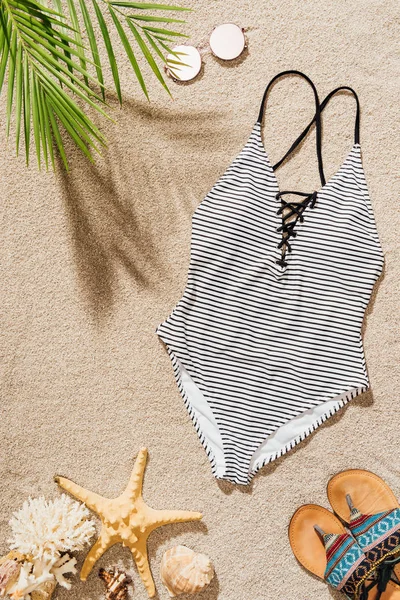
(263, 354)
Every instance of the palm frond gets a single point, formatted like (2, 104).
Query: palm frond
(93, 43)
(67, 39)
(147, 54)
(52, 71)
(128, 49)
(152, 19)
(128, 26)
(78, 37)
(150, 6)
(36, 56)
(109, 48)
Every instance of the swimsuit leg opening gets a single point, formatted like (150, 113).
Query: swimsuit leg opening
(201, 414)
(297, 429)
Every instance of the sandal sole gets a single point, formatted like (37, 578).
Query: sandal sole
(305, 542)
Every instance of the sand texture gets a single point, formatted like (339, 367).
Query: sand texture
(93, 261)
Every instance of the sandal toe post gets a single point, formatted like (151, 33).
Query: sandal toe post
(323, 546)
(304, 540)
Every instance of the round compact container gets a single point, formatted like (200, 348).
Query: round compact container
(227, 41)
(190, 58)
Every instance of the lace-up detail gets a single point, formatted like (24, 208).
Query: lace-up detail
(291, 212)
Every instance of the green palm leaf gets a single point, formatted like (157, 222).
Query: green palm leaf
(166, 32)
(93, 44)
(109, 48)
(67, 40)
(147, 54)
(152, 19)
(51, 67)
(11, 79)
(151, 6)
(18, 91)
(78, 36)
(26, 106)
(128, 50)
(35, 53)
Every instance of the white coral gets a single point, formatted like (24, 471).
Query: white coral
(34, 575)
(49, 528)
(29, 580)
(64, 565)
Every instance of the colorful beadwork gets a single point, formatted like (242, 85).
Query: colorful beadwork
(379, 534)
(353, 557)
(347, 564)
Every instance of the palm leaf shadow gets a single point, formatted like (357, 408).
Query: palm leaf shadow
(123, 208)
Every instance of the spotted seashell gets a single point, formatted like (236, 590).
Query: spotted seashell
(184, 571)
(9, 572)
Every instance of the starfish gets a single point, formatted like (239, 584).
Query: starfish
(126, 520)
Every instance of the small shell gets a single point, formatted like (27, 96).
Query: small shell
(116, 582)
(184, 571)
(14, 555)
(9, 572)
(45, 591)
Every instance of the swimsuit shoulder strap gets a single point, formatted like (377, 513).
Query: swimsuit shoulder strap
(322, 106)
(317, 117)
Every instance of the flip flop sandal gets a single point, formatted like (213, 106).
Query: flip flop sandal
(324, 547)
(371, 511)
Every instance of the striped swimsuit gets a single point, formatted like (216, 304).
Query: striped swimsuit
(266, 341)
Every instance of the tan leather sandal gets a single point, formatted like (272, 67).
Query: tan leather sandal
(322, 545)
(371, 511)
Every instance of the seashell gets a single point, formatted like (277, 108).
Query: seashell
(116, 582)
(9, 572)
(14, 555)
(184, 571)
(45, 591)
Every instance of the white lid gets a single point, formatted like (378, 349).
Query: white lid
(227, 41)
(191, 59)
